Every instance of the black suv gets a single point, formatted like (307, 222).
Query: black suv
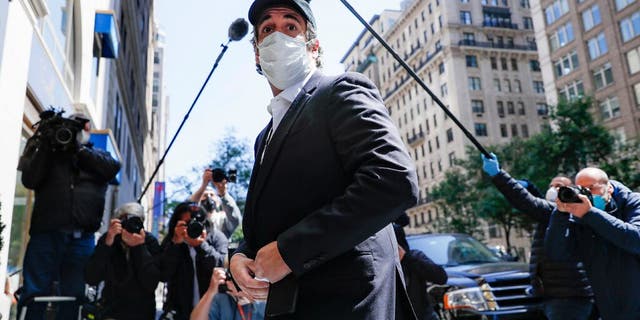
(481, 285)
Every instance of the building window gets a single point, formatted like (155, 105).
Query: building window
(556, 10)
(636, 90)
(621, 4)
(521, 110)
(572, 90)
(500, 106)
(474, 84)
(525, 4)
(496, 84)
(534, 65)
(443, 90)
(514, 64)
(538, 87)
(503, 131)
(591, 17)
(630, 27)
(633, 60)
(494, 63)
(503, 64)
(517, 86)
(597, 46)
(510, 108)
(481, 129)
(449, 135)
(507, 85)
(561, 37)
(527, 22)
(441, 67)
(477, 106)
(610, 108)
(566, 64)
(542, 108)
(525, 131)
(603, 76)
(514, 130)
(452, 159)
(472, 61)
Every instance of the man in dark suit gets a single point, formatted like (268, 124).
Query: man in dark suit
(331, 174)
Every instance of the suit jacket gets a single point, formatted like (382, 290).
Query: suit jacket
(334, 176)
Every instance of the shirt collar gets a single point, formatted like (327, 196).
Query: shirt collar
(280, 104)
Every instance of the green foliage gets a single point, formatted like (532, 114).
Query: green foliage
(574, 142)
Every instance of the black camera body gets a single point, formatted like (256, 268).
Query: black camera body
(208, 204)
(230, 176)
(196, 223)
(132, 224)
(60, 133)
(570, 194)
(223, 287)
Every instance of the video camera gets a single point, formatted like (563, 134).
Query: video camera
(230, 176)
(131, 223)
(60, 133)
(570, 194)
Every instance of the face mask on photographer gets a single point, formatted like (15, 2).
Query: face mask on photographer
(284, 60)
(552, 194)
(600, 201)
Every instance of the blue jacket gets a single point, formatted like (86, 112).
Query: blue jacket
(608, 242)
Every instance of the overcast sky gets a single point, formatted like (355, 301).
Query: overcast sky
(236, 96)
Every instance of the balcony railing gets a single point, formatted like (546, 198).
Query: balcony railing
(493, 45)
(499, 24)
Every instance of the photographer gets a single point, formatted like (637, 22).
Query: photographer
(419, 271)
(563, 285)
(222, 209)
(601, 228)
(124, 260)
(70, 180)
(222, 301)
(190, 254)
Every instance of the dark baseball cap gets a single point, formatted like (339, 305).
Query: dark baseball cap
(302, 6)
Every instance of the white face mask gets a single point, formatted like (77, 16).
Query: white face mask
(83, 137)
(284, 60)
(552, 194)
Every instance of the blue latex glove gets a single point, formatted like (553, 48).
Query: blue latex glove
(490, 165)
(524, 183)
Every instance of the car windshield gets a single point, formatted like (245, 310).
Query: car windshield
(453, 250)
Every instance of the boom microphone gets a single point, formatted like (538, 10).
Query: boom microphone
(238, 29)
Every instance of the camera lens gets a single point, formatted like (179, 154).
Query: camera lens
(63, 136)
(569, 194)
(194, 228)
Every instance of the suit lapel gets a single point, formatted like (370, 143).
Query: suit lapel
(280, 135)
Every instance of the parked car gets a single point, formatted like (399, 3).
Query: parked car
(481, 285)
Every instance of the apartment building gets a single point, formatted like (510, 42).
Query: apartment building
(479, 58)
(591, 47)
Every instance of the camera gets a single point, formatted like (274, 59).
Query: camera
(208, 204)
(570, 194)
(196, 223)
(59, 132)
(219, 175)
(133, 224)
(223, 287)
